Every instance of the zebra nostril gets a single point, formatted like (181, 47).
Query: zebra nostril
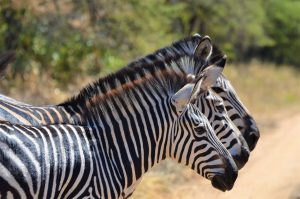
(218, 182)
(251, 133)
(252, 141)
(226, 180)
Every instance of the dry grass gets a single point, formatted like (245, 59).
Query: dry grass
(269, 92)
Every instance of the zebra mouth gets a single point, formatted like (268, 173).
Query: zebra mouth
(242, 159)
(218, 182)
(225, 182)
(251, 140)
(251, 134)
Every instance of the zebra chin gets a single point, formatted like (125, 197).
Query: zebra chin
(225, 182)
(242, 157)
(251, 132)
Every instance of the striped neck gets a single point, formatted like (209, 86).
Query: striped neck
(131, 114)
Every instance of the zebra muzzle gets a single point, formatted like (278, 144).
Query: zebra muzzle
(251, 133)
(225, 182)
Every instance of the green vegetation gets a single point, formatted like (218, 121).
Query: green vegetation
(75, 38)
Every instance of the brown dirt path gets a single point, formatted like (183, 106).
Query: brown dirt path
(273, 170)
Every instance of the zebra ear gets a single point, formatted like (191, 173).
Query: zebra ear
(197, 90)
(211, 73)
(204, 48)
(207, 78)
(182, 97)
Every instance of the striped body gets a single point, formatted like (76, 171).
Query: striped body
(40, 162)
(209, 103)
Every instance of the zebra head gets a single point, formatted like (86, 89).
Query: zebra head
(194, 142)
(237, 112)
(213, 108)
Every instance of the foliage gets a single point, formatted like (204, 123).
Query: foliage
(234, 25)
(71, 38)
(283, 27)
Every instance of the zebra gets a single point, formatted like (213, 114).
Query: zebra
(237, 112)
(134, 119)
(18, 113)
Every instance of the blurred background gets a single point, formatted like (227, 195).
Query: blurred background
(62, 45)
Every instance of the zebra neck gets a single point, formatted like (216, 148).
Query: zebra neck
(135, 138)
(131, 116)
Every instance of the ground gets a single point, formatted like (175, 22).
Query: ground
(273, 170)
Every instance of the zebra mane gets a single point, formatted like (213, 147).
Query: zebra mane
(180, 51)
(124, 87)
(183, 47)
(164, 71)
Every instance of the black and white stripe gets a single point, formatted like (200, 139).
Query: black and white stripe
(237, 112)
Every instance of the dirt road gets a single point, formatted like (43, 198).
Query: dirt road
(273, 170)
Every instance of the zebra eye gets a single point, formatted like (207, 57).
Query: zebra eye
(220, 108)
(217, 89)
(200, 129)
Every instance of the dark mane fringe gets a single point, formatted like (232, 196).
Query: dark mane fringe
(128, 73)
(177, 49)
(158, 80)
